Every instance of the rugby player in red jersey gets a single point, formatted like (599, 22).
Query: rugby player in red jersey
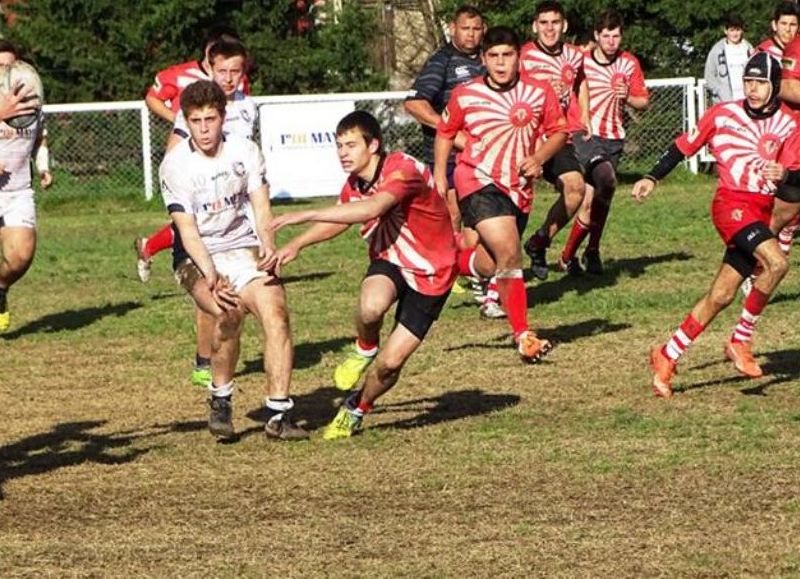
(752, 142)
(784, 24)
(503, 116)
(614, 79)
(548, 58)
(412, 259)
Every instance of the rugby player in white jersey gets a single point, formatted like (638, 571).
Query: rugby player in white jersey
(227, 58)
(17, 206)
(206, 181)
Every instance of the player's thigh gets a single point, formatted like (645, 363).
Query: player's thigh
(19, 244)
(500, 237)
(266, 300)
(786, 207)
(379, 289)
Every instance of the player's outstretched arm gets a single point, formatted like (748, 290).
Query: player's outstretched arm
(158, 108)
(442, 147)
(194, 246)
(317, 233)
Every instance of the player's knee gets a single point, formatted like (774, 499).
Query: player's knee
(371, 311)
(389, 364)
(605, 180)
(229, 323)
(776, 265)
(573, 186)
(722, 297)
(18, 261)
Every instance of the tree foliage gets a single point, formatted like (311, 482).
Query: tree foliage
(87, 50)
(670, 37)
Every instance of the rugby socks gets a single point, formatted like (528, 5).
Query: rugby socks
(576, 236)
(224, 391)
(492, 295)
(357, 406)
(277, 407)
(162, 240)
(465, 260)
(539, 240)
(511, 287)
(682, 338)
(365, 349)
(599, 218)
(785, 238)
(754, 304)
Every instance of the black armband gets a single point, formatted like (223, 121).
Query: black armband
(793, 178)
(666, 163)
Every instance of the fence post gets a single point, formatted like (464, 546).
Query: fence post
(691, 114)
(147, 160)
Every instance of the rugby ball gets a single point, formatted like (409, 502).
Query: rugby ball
(21, 76)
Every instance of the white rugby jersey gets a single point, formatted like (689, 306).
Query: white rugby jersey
(215, 190)
(240, 118)
(16, 148)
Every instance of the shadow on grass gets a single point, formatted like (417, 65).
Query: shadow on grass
(305, 355)
(781, 367)
(68, 444)
(559, 335)
(315, 410)
(784, 297)
(552, 291)
(72, 319)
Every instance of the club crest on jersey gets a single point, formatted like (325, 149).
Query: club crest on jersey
(768, 146)
(238, 169)
(520, 114)
(462, 70)
(246, 116)
(788, 63)
(737, 214)
(618, 79)
(567, 75)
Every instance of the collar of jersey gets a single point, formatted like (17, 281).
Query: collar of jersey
(363, 186)
(543, 48)
(609, 63)
(504, 88)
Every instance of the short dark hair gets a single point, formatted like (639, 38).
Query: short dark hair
(227, 49)
(216, 33)
(6, 46)
(498, 35)
(608, 20)
(201, 94)
(733, 20)
(366, 124)
(467, 10)
(549, 6)
(785, 8)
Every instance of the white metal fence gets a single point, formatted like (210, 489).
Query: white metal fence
(108, 147)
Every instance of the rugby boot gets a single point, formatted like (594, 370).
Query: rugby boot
(143, 262)
(283, 428)
(572, 267)
(349, 372)
(663, 371)
(345, 424)
(592, 263)
(220, 416)
(201, 376)
(532, 349)
(741, 354)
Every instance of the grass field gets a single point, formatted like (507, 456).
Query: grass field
(474, 465)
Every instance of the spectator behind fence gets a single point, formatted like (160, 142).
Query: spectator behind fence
(725, 62)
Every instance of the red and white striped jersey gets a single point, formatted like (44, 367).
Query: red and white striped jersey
(769, 45)
(563, 70)
(416, 235)
(502, 128)
(742, 145)
(605, 108)
(170, 82)
(790, 63)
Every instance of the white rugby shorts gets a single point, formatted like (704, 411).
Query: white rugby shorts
(238, 265)
(18, 209)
